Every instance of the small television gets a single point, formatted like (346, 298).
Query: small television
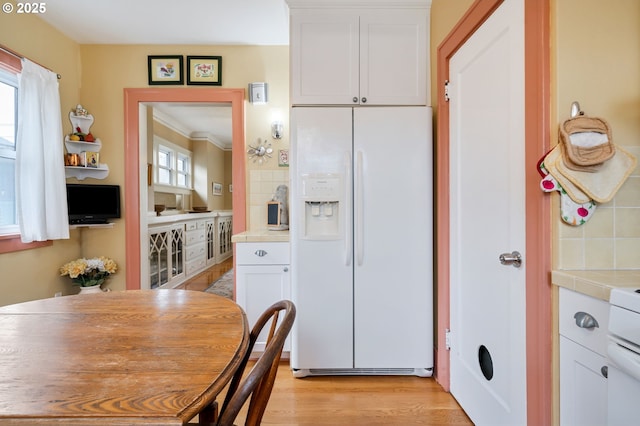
(92, 204)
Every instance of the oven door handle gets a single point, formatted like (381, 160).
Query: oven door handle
(624, 359)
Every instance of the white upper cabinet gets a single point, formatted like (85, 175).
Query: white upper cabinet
(359, 56)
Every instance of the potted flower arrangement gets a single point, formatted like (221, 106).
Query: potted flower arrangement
(89, 273)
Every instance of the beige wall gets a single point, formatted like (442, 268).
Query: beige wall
(597, 56)
(33, 274)
(95, 76)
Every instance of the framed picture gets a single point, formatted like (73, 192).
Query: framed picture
(283, 158)
(93, 159)
(165, 70)
(217, 188)
(204, 70)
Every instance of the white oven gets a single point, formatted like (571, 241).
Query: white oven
(623, 353)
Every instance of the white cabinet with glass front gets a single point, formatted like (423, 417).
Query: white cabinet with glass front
(183, 245)
(166, 255)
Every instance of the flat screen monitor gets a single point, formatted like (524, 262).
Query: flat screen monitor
(92, 204)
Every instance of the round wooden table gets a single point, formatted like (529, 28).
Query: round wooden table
(131, 357)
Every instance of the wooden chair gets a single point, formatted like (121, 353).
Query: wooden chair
(259, 381)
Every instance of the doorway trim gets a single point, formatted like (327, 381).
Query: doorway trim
(132, 99)
(538, 223)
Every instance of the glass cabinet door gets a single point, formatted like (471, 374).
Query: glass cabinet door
(158, 259)
(177, 251)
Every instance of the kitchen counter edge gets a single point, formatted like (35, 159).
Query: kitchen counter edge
(261, 236)
(596, 283)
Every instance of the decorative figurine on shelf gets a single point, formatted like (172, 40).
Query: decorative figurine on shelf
(80, 112)
(81, 121)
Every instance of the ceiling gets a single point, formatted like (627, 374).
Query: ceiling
(247, 22)
(190, 22)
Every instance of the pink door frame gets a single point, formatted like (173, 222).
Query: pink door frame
(132, 99)
(538, 226)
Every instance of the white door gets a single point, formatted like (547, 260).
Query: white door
(487, 214)
(393, 238)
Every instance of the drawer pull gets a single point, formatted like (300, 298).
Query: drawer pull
(605, 371)
(585, 320)
(260, 253)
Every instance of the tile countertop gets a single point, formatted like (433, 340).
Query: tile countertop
(263, 235)
(596, 283)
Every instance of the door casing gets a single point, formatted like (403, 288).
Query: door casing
(132, 99)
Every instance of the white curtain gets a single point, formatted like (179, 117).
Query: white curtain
(40, 177)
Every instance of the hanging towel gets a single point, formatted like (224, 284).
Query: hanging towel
(553, 157)
(600, 186)
(572, 213)
(587, 143)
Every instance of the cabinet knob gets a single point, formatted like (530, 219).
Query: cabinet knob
(605, 371)
(364, 100)
(585, 320)
(355, 99)
(260, 253)
(285, 269)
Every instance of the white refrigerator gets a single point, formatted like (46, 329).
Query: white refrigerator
(361, 228)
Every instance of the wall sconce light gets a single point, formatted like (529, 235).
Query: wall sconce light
(277, 128)
(258, 93)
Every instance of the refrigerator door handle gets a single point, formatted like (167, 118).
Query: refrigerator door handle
(359, 209)
(348, 234)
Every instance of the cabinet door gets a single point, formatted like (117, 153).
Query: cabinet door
(393, 57)
(324, 57)
(583, 387)
(159, 256)
(257, 288)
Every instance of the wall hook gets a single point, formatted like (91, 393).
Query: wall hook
(575, 109)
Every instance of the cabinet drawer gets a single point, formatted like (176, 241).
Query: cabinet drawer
(196, 265)
(195, 237)
(262, 253)
(573, 303)
(196, 250)
(195, 224)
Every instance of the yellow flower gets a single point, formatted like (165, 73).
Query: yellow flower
(89, 272)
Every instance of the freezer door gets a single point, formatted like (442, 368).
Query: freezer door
(322, 274)
(393, 285)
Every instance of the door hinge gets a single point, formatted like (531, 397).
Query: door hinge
(447, 339)
(446, 90)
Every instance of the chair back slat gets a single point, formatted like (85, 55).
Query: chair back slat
(259, 382)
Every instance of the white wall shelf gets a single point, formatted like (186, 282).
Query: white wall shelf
(81, 173)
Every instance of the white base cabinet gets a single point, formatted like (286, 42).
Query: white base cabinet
(166, 256)
(263, 277)
(583, 363)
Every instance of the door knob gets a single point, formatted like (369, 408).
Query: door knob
(514, 258)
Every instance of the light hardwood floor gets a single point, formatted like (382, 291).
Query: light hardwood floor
(349, 400)
(204, 279)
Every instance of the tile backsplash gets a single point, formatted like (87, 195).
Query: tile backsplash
(611, 237)
(262, 187)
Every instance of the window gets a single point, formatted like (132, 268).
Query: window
(8, 128)
(173, 166)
